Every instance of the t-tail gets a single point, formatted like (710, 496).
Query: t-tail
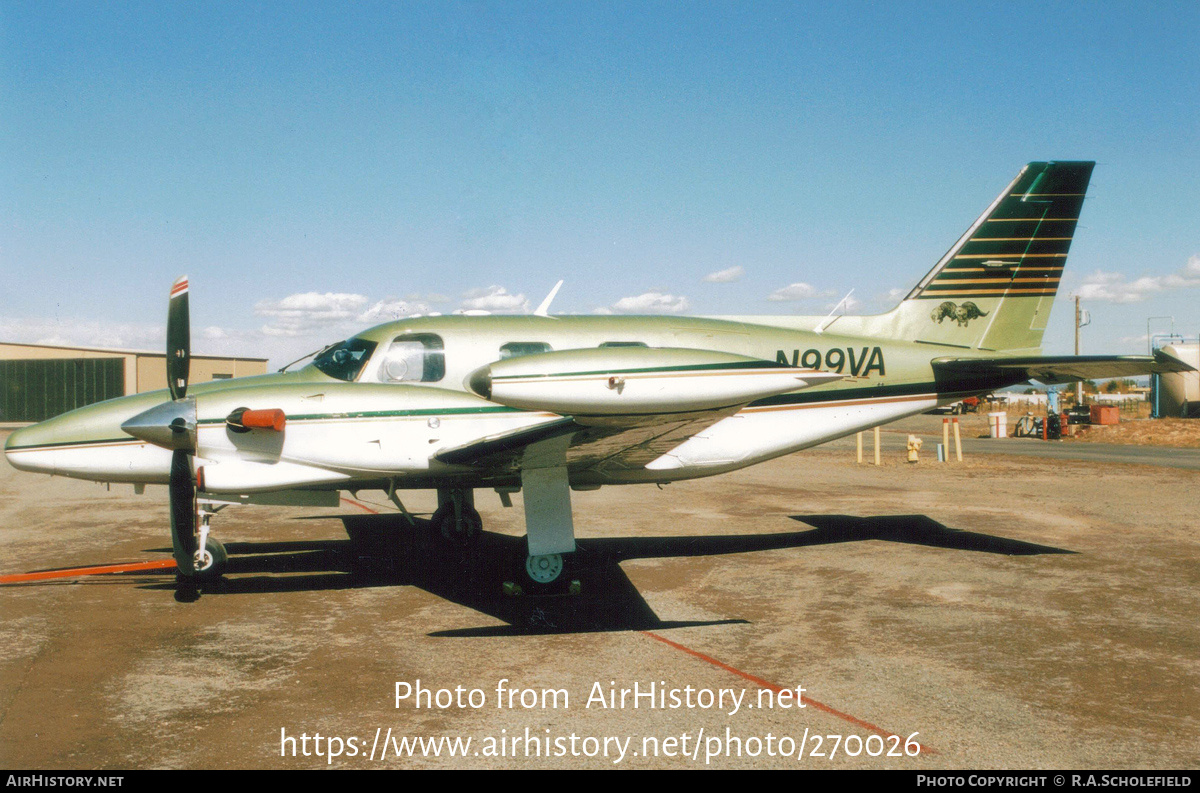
(994, 288)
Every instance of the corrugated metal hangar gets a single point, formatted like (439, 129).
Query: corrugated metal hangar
(38, 381)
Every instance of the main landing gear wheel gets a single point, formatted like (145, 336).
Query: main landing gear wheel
(458, 524)
(211, 560)
(544, 569)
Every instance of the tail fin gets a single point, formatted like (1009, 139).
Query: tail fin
(994, 288)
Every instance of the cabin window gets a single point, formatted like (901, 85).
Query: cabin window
(414, 358)
(515, 349)
(624, 344)
(344, 360)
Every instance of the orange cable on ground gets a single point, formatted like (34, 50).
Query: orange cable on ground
(102, 569)
(132, 567)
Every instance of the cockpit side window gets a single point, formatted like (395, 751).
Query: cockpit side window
(515, 349)
(414, 358)
(623, 344)
(345, 359)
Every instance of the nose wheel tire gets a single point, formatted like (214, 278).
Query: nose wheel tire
(211, 560)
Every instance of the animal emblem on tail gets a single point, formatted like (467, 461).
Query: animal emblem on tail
(962, 314)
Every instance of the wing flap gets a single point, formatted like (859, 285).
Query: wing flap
(600, 443)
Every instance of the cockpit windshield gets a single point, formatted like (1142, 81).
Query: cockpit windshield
(345, 360)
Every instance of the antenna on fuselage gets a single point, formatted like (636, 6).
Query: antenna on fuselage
(309, 355)
(543, 310)
(825, 323)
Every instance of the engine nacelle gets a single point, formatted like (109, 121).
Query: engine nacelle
(636, 380)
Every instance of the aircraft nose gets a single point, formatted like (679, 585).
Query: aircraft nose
(21, 451)
(86, 443)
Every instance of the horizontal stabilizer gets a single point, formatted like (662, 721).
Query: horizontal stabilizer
(1056, 369)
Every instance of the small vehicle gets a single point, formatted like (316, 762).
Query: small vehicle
(970, 404)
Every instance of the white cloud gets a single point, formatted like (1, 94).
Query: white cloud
(652, 302)
(84, 333)
(307, 312)
(1187, 277)
(391, 308)
(212, 340)
(494, 298)
(797, 291)
(725, 276)
(1113, 288)
(849, 305)
(1106, 287)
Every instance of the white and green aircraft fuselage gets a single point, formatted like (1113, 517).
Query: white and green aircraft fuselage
(550, 403)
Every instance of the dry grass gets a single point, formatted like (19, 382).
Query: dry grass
(1177, 433)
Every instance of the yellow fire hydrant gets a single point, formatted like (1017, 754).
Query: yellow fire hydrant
(914, 446)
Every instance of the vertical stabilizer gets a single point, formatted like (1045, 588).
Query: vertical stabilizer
(994, 288)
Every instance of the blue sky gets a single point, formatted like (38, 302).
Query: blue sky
(315, 168)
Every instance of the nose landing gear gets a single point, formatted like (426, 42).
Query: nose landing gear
(211, 560)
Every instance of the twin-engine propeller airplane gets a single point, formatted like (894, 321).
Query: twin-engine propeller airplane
(547, 404)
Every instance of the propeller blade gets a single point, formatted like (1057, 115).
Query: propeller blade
(179, 346)
(183, 512)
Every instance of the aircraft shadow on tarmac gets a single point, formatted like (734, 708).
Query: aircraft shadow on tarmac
(592, 594)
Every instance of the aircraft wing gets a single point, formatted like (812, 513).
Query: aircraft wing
(1057, 369)
(622, 407)
(601, 443)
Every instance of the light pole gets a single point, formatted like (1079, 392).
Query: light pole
(1149, 339)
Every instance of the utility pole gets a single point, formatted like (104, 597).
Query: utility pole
(1081, 318)
(1078, 383)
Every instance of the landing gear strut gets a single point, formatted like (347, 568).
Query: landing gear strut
(550, 533)
(210, 556)
(549, 529)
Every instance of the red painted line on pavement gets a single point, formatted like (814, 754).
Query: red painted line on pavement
(132, 567)
(354, 503)
(758, 681)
